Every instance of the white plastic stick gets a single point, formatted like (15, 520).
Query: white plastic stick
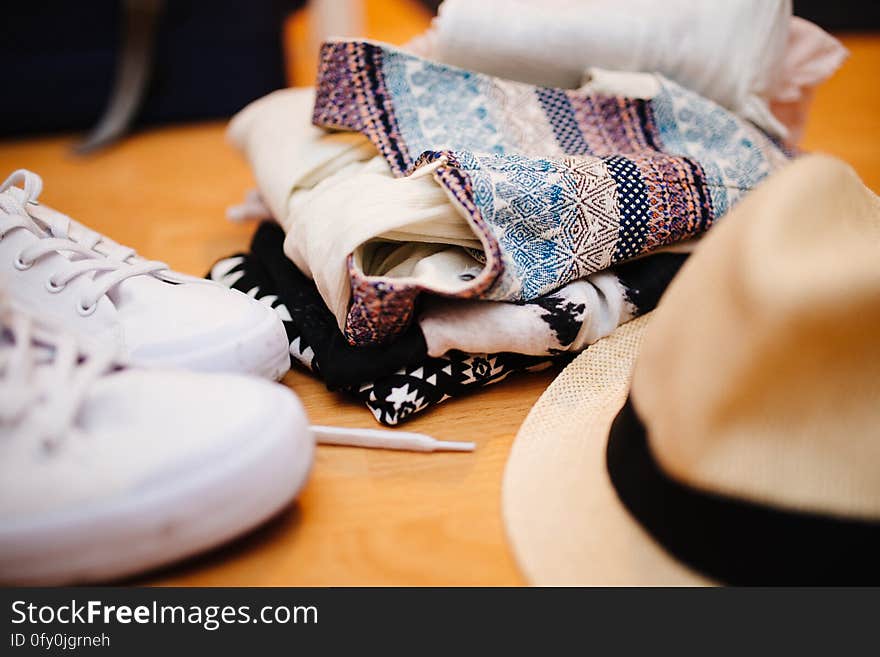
(378, 438)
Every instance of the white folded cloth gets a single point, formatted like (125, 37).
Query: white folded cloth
(733, 52)
(334, 196)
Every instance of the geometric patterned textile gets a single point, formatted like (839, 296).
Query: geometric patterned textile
(557, 184)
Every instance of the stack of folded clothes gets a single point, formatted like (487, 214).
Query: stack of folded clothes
(435, 229)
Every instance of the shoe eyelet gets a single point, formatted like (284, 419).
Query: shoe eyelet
(21, 265)
(53, 287)
(85, 310)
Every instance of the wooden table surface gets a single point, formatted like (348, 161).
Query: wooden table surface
(366, 517)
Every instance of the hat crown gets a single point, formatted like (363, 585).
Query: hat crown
(759, 374)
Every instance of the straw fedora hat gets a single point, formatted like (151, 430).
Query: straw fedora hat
(733, 435)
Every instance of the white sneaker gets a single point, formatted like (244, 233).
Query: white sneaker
(103, 292)
(107, 471)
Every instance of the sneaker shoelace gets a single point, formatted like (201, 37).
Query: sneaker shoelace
(55, 237)
(44, 378)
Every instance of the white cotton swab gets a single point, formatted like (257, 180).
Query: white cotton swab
(381, 439)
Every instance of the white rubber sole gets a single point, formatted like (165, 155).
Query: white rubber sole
(158, 525)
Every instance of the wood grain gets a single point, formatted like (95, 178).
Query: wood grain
(366, 517)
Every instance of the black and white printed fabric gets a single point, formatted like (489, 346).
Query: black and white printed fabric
(568, 320)
(394, 381)
(427, 365)
(410, 390)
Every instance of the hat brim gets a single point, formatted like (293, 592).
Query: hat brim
(564, 520)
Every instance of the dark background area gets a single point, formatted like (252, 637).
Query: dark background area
(211, 57)
(837, 15)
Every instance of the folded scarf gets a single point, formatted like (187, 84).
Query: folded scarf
(400, 379)
(555, 184)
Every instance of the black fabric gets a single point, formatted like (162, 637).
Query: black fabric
(646, 279)
(339, 364)
(731, 540)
